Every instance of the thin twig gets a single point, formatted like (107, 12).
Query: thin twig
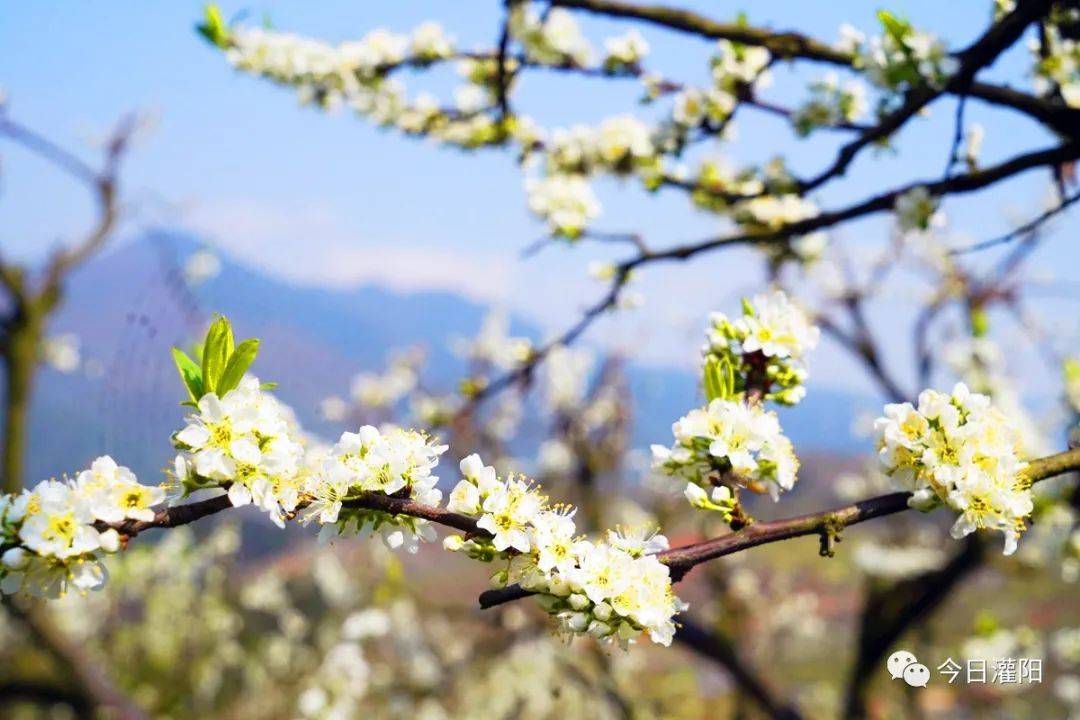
(1019, 231)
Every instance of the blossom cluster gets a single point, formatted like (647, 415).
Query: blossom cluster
(960, 451)
(918, 211)
(613, 589)
(735, 65)
(243, 441)
(1057, 63)
(772, 212)
(767, 343)
(625, 52)
(551, 39)
(728, 441)
(566, 202)
(333, 72)
(902, 58)
(357, 74)
(55, 535)
(830, 104)
(392, 461)
(380, 390)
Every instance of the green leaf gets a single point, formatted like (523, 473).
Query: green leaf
(190, 374)
(980, 322)
(216, 351)
(895, 27)
(719, 379)
(238, 364)
(213, 26)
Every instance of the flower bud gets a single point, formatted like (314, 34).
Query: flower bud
(453, 543)
(579, 601)
(577, 622)
(15, 558)
(695, 495)
(110, 540)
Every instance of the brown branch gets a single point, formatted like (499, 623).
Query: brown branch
(1057, 116)
(721, 649)
(781, 44)
(892, 610)
(979, 55)
(791, 45)
(177, 515)
(31, 307)
(956, 185)
(85, 672)
(502, 78)
(683, 559)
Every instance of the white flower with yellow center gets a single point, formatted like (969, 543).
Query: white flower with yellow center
(961, 451)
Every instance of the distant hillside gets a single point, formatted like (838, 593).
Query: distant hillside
(130, 305)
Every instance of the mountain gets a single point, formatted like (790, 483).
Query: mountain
(129, 306)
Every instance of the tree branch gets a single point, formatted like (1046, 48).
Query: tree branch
(719, 648)
(782, 44)
(892, 610)
(956, 185)
(791, 45)
(979, 55)
(683, 559)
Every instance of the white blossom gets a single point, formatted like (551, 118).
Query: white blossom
(960, 451)
(53, 532)
(391, 461)
(244, 443)
(917, 210)
(625, 51)
(728, 439)
(613, 590)
(555, 39)
(566, 202)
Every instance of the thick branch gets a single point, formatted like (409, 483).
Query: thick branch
(719, 648)
(781, 44)
(892, 610)
(791, 45)
(177, 515)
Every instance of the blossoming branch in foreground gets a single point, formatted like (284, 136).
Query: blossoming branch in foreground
(613, 589)
(733, 441)
(53, 536)
(958, 450)
(393, 462)
(243, 442)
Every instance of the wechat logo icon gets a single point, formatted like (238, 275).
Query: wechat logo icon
(902, 664)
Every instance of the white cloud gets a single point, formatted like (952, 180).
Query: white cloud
(309, 242)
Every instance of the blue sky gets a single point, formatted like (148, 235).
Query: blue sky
(329, 199)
